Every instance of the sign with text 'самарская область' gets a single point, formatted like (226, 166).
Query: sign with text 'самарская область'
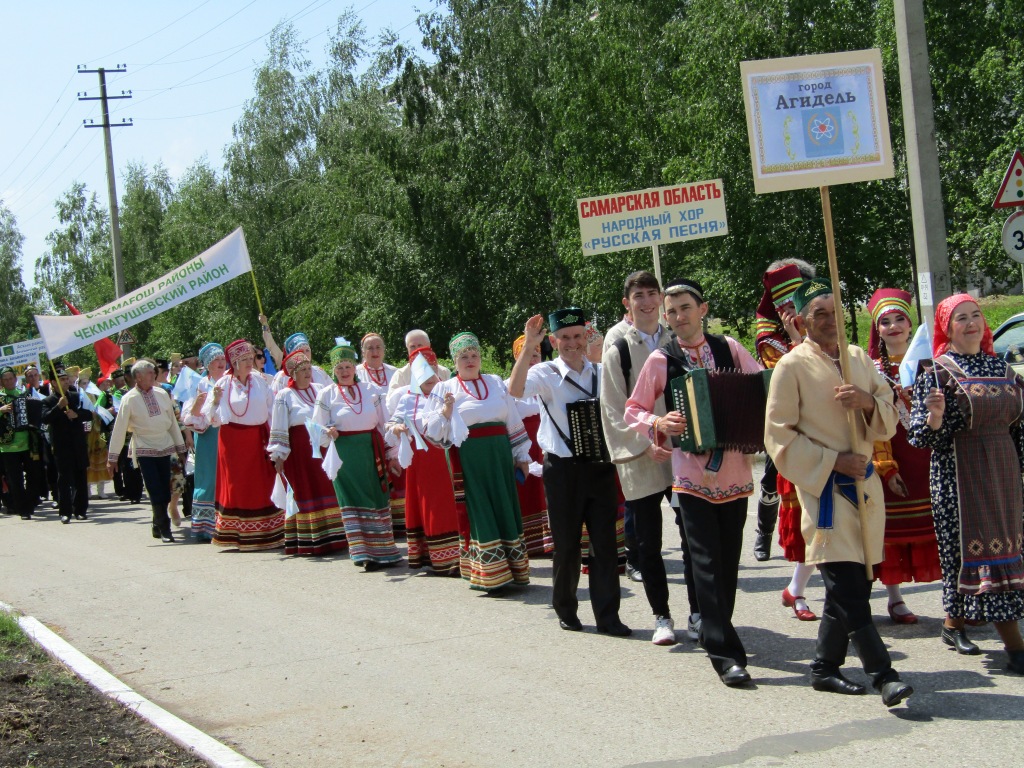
(651, 217)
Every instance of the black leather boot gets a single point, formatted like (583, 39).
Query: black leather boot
(878, 666)
(767, 516)
(829, 656)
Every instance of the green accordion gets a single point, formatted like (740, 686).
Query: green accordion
(724, 409)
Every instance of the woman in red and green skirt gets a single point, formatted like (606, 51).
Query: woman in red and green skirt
(477, 414)
(354, 420)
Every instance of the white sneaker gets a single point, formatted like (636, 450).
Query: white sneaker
(664, 631)
(693, 626)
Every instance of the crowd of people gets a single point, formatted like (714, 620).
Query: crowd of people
(574, 457)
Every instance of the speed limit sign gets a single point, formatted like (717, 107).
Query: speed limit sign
(1013, 236)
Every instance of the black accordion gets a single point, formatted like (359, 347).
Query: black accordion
(25, 413)
(723, 409)
(586, 435)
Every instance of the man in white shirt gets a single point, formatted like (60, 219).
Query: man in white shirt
(580, 488)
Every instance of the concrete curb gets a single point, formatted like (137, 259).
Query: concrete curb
(176, 729)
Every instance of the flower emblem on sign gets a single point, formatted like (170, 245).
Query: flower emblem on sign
(823, 129)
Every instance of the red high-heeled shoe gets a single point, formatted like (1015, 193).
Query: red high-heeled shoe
(789, 600)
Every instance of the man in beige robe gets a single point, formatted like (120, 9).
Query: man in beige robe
(807, 434)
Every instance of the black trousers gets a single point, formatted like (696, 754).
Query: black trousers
(684, 548)
(581, 493)
(156, 472)
(714, 533)
(17, 467)
(770, 478)
(648, 523)
(72, 479)
(847, 594)
(130, 476)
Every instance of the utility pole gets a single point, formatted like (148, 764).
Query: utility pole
(115, 224)
(929, 233)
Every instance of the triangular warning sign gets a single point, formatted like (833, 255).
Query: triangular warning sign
(1011, 191)
(125, 337)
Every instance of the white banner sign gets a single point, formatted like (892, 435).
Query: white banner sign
(21, 353)
(213, 267)
(652, 217)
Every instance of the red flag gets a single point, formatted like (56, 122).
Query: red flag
(107, 352)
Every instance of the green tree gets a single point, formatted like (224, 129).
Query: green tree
(16, 321)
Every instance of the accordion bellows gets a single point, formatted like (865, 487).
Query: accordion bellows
(723, 409)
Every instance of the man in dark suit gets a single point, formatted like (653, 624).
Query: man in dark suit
(65, 416)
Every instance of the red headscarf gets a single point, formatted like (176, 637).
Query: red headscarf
(943, 314)
(292, 361)
(427, 352)
(882, 302)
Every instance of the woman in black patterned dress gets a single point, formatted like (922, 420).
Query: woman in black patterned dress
(972, 423)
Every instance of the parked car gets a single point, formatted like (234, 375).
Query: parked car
(1008, 340)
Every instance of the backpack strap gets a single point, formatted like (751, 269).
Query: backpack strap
(626, 361)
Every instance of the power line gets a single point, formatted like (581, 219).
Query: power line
(45, 142)
(38, 127)
(198, 114)
(153, 34)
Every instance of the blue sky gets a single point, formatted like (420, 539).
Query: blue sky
(190, 69)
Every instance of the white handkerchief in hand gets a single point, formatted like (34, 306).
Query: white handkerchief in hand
(404, 450)
(279, 496)
(537, 470)
(421, 444)
(314, 430)
(291, 508)
(459, 429)
(332, 461)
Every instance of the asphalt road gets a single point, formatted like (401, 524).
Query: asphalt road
(312, 662)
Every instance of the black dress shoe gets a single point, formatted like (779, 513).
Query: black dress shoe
(735, 675)
(167, 536)
(571, 625)
(894, 692)
(618, 629)
(156, 532)
(81, 516)
(26, 517)
(836, 684)
(957, 638)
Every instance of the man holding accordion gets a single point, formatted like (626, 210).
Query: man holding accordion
(711, 485)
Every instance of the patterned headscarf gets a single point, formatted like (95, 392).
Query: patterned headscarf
(295, 341)
(343, 352)
(427, 352)
(210, 352)
(461, 342)
(944, 313)
(517, 346)
(236, 349)
(292, 361)
(882, 302)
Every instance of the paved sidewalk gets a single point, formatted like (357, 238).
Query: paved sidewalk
(311, 662)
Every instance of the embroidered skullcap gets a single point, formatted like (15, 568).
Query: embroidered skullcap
(461, 342)
(566, 318)
(682, 285)
(210, 352)
(882, 302)
(809, 290)
(295, 341)
(943, 315)
(117, 373)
